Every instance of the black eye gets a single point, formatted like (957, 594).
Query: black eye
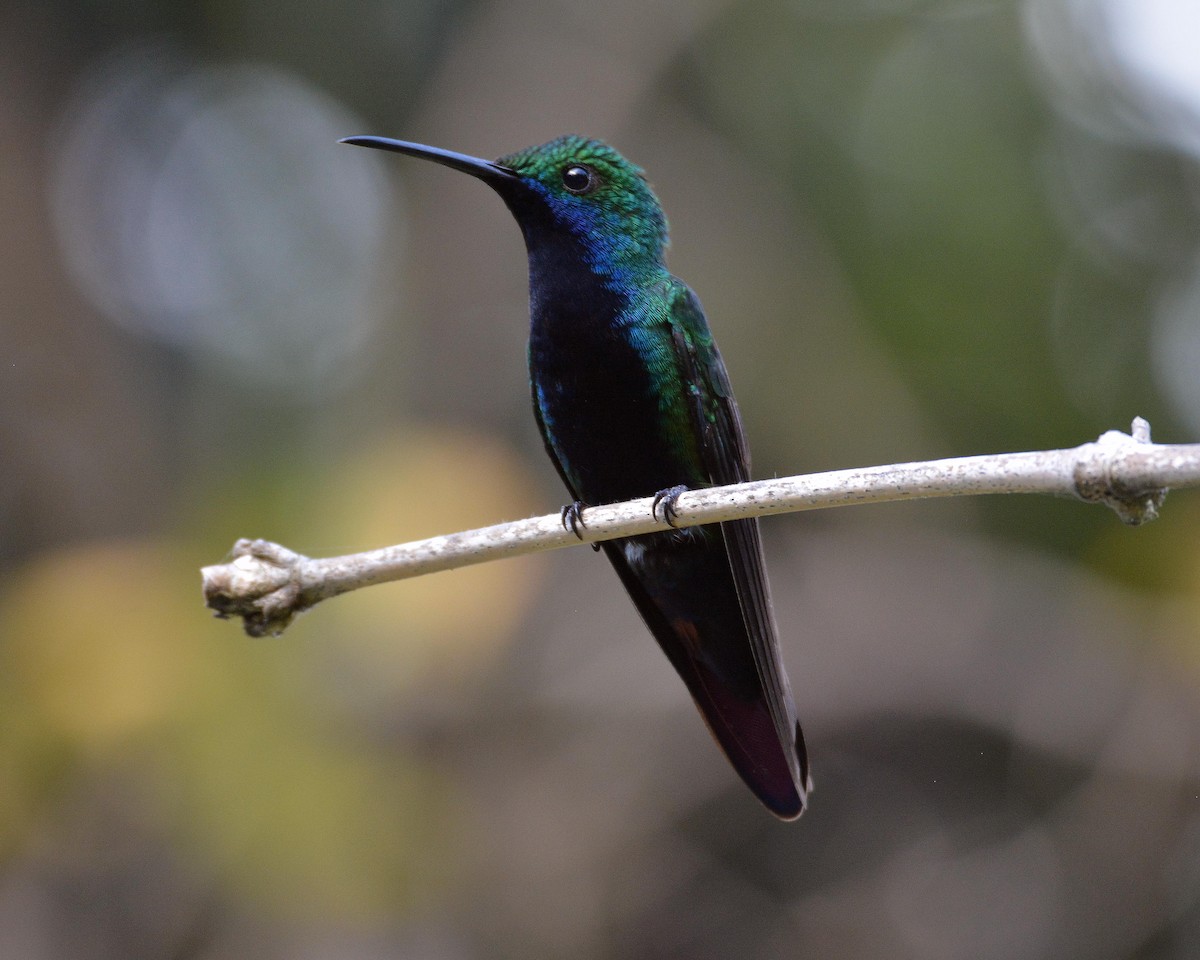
(578, 178)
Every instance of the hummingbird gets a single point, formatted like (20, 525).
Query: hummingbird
(632, 398)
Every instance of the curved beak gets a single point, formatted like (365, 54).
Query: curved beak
(490, 173)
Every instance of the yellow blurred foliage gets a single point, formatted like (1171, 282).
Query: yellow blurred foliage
(98, 640)
(111, 662)
(298, 813)
(444, 628)
(1161, 560)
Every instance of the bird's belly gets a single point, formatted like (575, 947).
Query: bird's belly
(603, 419)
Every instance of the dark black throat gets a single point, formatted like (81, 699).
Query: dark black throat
(598, 409)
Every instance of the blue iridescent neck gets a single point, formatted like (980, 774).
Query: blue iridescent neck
(623, 247)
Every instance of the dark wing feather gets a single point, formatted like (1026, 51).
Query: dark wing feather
(726, 459)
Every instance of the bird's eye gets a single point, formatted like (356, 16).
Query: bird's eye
(578, 179)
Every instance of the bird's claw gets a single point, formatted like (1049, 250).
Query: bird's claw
(663, 507)
(572, 519)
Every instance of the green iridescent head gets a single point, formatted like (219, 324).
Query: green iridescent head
(592, 189)
(574, 183)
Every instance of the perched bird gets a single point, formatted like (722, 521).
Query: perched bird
(632, 399)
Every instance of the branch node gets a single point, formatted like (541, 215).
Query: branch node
(1101, 475)
(261, 583)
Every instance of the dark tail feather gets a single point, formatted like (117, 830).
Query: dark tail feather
(697, 621)
(745, 731)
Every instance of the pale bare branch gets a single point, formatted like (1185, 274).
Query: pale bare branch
(267, 585)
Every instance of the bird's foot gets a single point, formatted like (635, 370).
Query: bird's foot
(572, 519)
(663, 506)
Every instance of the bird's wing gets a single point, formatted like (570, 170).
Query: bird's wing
(726, 459)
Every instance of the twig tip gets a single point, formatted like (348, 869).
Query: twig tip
(260, 584)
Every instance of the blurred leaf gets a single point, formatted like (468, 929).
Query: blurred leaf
(298, 812)
(115, 662)
(99, 642)
(436, 630)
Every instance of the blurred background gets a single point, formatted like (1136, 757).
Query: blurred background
(920, 229)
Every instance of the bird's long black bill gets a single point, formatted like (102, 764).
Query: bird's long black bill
(486, 170)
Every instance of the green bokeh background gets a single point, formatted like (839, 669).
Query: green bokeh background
(920, 229)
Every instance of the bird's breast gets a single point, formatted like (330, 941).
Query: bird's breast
(600, 403)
